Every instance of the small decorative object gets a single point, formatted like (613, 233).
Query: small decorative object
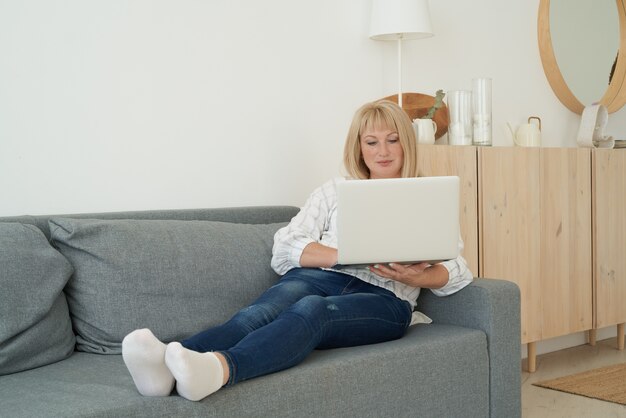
(418, 105)
(460, 108)
(481, 109)
(591, 130)
(425, 129)
(437, 105)
(527, 134)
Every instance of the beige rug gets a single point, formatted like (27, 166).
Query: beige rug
(605, 383)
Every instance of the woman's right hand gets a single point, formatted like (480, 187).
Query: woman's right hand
(318, 255)
(424, 275)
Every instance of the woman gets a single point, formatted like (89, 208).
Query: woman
(312, 306)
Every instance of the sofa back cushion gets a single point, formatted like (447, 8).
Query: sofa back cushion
(35, 327)
(175, 277)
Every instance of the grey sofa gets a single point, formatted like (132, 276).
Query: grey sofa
(73, 285)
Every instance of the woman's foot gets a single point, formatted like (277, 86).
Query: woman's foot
(144, 356)
(197, 374)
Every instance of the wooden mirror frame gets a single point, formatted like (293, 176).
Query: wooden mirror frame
(614, 96)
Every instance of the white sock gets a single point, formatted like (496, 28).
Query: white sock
(144, 356)
(197, 374)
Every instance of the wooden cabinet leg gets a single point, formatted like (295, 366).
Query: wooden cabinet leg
(620, 336)
(591, 337)
(532, 357)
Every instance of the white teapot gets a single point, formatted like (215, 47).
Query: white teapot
(527, 134)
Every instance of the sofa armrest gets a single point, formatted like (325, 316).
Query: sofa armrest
(492, 306)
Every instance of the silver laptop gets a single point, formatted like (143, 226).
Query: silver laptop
(404, 220)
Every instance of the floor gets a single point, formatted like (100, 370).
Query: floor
(545, 403)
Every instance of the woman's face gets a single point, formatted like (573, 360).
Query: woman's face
(382, 152)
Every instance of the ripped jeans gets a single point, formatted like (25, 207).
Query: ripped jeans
(307, 309)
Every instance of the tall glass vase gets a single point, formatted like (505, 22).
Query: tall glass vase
(481, 111)
(460, 108)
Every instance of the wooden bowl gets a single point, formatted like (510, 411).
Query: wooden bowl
(416, 105)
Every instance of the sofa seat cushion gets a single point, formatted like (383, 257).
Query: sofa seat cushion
(35, 327)
(447, 367)
(175, 277)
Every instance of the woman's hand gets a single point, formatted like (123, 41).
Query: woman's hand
(425, 275)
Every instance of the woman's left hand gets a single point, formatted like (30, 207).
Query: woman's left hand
(416, 275)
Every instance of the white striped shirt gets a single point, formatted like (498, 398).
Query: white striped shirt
(317, 222)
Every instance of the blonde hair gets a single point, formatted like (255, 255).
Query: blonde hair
(379, 114)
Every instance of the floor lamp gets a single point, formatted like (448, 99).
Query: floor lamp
(398, 20)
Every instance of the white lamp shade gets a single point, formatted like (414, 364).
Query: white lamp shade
(400, 19)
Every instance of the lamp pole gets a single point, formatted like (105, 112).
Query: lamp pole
(400, 70)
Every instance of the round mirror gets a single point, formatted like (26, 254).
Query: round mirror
(583, 51)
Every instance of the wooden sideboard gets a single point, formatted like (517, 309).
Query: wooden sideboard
(438, 160)
(609, 240)
(550, 220)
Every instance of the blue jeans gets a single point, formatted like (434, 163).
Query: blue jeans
(307, 309)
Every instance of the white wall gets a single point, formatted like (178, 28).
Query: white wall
(110, 105)
(139, 104)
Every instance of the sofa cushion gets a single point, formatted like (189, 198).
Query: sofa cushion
(35, 327)
(433, 371)
(175, 277)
